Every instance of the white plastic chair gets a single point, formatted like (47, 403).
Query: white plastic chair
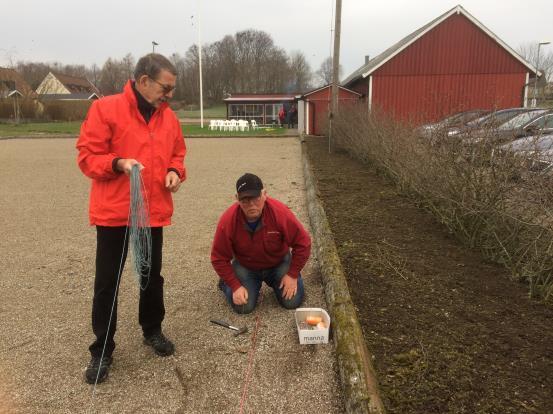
(243, 125)
(254, 124)
(220, 124)
(226, 125)
(233, 126)
(212, 125)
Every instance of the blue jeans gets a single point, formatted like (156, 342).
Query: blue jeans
(253, 279)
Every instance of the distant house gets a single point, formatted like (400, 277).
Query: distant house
(12, 84)
(57, 86)
(451, 64)
(261, 108)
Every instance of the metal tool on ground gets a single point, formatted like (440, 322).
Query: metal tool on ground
(237, 330)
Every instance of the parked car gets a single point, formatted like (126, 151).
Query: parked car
(520, 125)
(453, 121)
(537, 149)
(543, 125)
(490, 120)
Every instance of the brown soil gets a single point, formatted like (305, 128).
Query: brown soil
(450, 332)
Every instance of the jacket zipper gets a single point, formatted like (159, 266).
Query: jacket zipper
(151, 133)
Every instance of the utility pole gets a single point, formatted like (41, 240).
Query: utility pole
(335, 72)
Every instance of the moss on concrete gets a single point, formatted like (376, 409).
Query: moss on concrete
(357, 374)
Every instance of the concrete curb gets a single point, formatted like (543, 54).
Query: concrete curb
(357, 374)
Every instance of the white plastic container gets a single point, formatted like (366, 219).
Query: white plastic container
(312, 336)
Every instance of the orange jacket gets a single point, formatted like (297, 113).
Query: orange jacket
(114, 128)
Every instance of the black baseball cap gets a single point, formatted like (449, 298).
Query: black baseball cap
(249, 185)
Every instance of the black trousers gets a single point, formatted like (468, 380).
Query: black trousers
(111, 253)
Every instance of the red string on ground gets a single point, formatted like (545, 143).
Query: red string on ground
(251, 355)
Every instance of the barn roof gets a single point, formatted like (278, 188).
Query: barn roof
(328, 86)
(76, 84)
(392, 51)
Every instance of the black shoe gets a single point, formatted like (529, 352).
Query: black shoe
(98, 368)
(161, 345)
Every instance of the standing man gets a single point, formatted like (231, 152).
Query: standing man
(281, 116)
(292, 116)
(258, 239)
(133, 127)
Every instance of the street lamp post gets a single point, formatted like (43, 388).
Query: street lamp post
(537, 71)
(154, 44)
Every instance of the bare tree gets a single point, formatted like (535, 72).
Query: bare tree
(180, 65)
(324, 74)
(33, 72)
(276, 71)
(249, 61)
(300, 72)
(529, 51)
(80, 71)
(252, 49)
(112, 77)
(127, 66)
(94, 75)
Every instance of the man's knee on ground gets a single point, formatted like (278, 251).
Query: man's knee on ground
(244, 309)
(292, 303)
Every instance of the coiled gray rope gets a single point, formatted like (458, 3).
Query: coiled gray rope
(140, 232)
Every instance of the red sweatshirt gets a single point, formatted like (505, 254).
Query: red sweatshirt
(277, 233)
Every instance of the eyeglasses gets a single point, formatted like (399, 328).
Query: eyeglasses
(166, 88)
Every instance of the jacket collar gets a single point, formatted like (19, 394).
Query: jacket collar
(130, 96)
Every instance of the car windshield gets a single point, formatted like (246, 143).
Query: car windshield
(479, 121)
(491, 118)
(532, 144)
(520, 119)
(448, 120)
(468, 116)
(500, 117)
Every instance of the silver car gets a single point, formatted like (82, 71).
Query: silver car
(538, 150)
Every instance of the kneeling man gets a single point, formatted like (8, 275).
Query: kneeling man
(258, 239)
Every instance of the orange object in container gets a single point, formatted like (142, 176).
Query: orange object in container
(314, 320)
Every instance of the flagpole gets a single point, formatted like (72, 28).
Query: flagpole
(200, 68)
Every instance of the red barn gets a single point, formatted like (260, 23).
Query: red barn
(453, 63)
(317, 103)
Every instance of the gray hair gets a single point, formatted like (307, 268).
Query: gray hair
(151, 64)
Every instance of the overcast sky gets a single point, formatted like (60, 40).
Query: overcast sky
(78, 32)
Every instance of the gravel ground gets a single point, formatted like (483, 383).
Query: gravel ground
(47, 257)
